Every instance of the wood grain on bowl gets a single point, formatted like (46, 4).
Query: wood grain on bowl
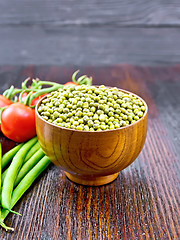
(92, 158)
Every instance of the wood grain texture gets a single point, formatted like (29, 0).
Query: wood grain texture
(92, 158)
(57, 32)
(143, 202)
(60, 12)
(84, 46)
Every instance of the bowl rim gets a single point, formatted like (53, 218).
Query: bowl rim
(97, 132)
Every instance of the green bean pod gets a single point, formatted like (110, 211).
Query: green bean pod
(0, 168)
(6, 227)
(29, 165)
(25, 183)
(7, 157)
(0, 172)
(35, 148)
(12, 172)
(32, 151)
(1, 222)
(3, 176)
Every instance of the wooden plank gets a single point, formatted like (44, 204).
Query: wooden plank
(107, 45)
(123, 13)
(143, 203)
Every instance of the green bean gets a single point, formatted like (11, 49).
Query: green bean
(25, 183)
(1, 222)
(7, 157)
(0, 167)
(32, 151)
(29, 165)
(6, 227)
(0, 172)
(3, 176)
(12, 172)
(24, 169)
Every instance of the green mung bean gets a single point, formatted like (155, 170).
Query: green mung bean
(87, 107)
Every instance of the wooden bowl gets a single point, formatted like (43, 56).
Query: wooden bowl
(92, 158)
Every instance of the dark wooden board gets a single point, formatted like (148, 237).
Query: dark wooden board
(143, 203)
(123, 13)
(88, 45)
(90, 32)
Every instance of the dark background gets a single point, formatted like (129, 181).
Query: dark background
(84, 32)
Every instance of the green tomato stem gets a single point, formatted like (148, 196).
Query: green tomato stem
(81, 80)
(26, 101)
(23, 85)
(11, 89)
(54, 87)
(5, 92)
(11, 93)
(74, 76)
(35, 84)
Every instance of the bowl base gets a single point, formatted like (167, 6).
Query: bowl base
(95, 181)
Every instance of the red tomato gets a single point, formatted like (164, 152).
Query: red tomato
(35, 100)
(70, 83)
(4, 101)
(18, 122)
(24, 96)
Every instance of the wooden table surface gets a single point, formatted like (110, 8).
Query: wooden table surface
(87, 32)
(143, 202)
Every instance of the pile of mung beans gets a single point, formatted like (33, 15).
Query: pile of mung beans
(91, 108)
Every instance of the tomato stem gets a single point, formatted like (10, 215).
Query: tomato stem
(74, 76)
(81, 80)
(8, 93)
(26, 101)
(11, 93)
(5, 93)
(34, 85)
(36, 89)
(23, 85)
(54, 87)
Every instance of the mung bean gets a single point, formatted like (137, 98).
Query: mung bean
(88, 104)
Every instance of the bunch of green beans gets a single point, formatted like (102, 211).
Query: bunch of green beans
(19, 167)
